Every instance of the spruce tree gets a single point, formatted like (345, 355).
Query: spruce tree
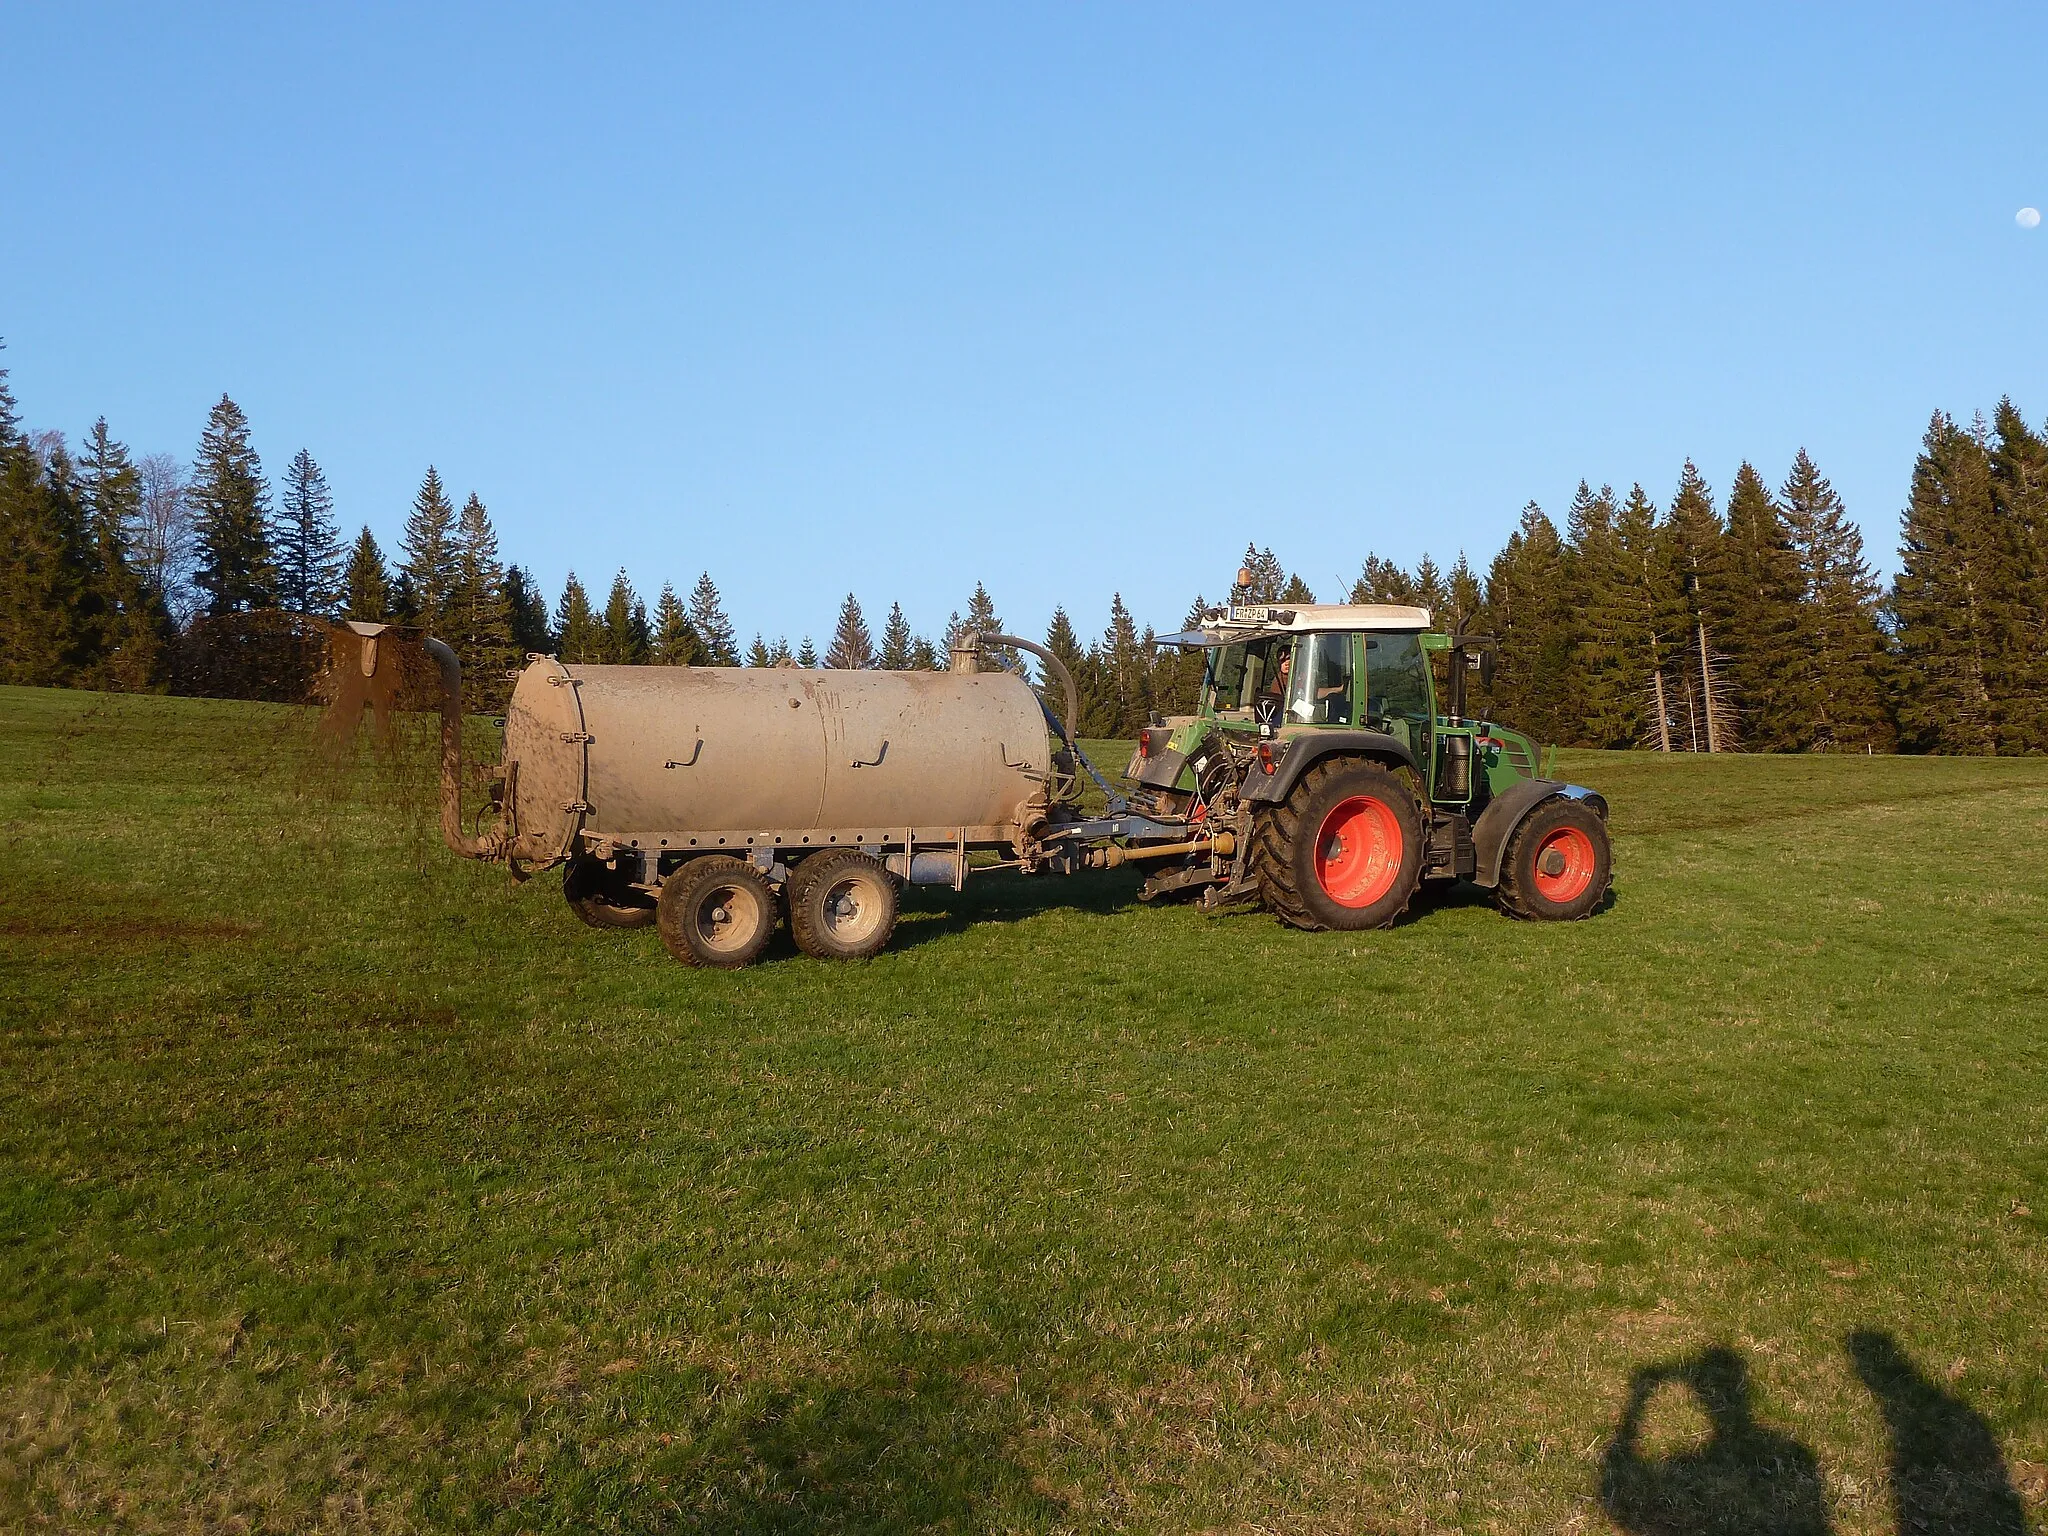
(925, 656)
(779, 653)
(1127, 671)
(1380, 580)
(477, 611)
(1696, 548)
(807, 654)
(1945, 600)
(48, 633)
(10, 413)
(757, 653)
(714, 629)
(625, 624)
(579, 636)
(1466, 599)
(307, 545)
(1841, 652)
(427, 550)
(852, 648)
(1603, 689)
(1527, 597)
(1649, 623)
(527, 610)
(1061, 640)
(231, 512)
(1296, 591)
(675, 643)
(1760, 621)
(2019, 493)
(132, 644)
(365, 581)
(897, 642)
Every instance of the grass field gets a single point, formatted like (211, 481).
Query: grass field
(344, 1186)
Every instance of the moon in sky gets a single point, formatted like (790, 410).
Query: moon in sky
(2027, 218)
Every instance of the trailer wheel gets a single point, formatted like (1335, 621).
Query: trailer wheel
(1558, 864)
(842, 906)
(1343, 851)
(716, 911)
(596, 894)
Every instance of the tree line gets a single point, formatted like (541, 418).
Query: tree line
(1756, 625)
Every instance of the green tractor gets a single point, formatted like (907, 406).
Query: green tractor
(1345, 783)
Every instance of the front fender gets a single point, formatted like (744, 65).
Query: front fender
(1506, 812)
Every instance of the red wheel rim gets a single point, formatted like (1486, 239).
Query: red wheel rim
(1358, 851)
(1564, 865)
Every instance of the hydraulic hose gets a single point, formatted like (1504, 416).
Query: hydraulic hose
(488, 845)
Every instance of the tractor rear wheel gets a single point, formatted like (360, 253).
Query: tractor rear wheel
(716, 911)
(842, 906)
(1558, 864)
(597, 894)
(1343, 851)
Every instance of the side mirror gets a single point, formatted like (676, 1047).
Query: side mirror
(1486, 670)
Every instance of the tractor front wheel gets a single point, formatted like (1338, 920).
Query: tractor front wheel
(716, 911)
(1558, 864)
(1343, 851)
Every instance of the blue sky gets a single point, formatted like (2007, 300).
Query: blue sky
(1068, 299)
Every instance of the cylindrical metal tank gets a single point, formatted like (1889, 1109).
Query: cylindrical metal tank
(697, 759)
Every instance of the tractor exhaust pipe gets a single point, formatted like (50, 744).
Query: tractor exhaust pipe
(491, 843)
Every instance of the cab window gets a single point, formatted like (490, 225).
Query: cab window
(1238, 674)
(1319, 692)
(1396, 678)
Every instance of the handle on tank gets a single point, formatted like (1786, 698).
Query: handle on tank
(491, 843)
(1072, 717)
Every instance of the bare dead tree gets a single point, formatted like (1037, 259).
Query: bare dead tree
(162, 542)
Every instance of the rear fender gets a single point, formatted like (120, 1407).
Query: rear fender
(1505, 812)
(1311, 747)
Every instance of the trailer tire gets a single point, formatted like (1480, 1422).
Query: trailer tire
(1558, 864)
(717, 912)
(594, 894)
(842, 906)
(1343, 850)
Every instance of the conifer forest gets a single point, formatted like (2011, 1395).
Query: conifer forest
(1749, 619)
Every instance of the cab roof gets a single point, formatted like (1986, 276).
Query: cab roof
(1248, 621)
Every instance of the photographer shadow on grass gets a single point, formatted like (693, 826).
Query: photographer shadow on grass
(1948, 1477)
(1745, 1478)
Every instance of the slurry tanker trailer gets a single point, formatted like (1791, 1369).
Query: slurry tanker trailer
(1320, 777)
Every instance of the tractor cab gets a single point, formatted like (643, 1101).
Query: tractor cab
(1275, 674)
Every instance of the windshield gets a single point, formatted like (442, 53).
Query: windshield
(1396, 678)
(1238, 674)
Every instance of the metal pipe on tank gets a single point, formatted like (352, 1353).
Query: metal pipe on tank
(487, 846)
(1069, 721)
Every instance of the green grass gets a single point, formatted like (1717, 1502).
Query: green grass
(345, 1186)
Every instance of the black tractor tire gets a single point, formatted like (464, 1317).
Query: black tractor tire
(718, 912)
(1343, 851)
(842, 906)
(596, 894)
(1558, 864)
